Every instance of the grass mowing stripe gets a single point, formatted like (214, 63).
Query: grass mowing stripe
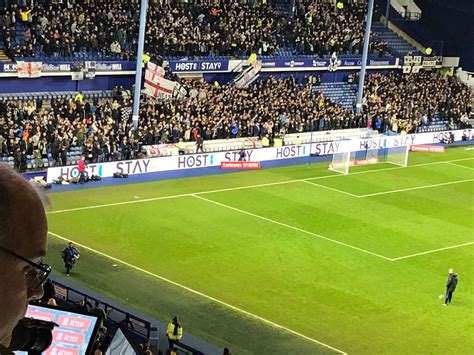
(251, 315)
(416, 188)
(432, 251)
(292, 227)
(246, 187)
(330, 188)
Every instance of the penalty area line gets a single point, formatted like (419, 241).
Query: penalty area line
(330, 188)
(222, 303)
(432, 251)
(416, 188)
(461, 166)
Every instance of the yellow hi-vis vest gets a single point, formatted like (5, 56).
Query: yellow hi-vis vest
(252, 58)
(170, 332)
(146, 58)
(79, 98)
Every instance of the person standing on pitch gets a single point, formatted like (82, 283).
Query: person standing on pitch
(70, 255)
(450, 286)
(174, 332)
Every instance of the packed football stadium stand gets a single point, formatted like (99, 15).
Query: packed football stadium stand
(35, 133)
(89, 29)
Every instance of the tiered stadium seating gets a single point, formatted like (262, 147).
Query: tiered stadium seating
(343, 93)
(395, 43)
(55, 95)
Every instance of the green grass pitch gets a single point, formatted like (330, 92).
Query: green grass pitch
(295, 259)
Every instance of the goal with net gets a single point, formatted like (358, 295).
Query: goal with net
(342, 162)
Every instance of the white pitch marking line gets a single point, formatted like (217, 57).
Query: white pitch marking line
(416, 188)
(391, 168)
(461, 166)
(118, 203)
(432, 251)
(244, 187)
(330, 188)
(291, 227)
(251, 315)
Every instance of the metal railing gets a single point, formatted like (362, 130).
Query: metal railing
(116, 316)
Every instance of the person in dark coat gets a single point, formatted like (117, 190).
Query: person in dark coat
(17, 158)
(63, 149)
(70, 255)
(49, 291)
(450, 286)
(242, 155)
(199, 144)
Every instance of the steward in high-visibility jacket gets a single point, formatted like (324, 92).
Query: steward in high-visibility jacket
(79, 97)
(174, 332)
(252, 58)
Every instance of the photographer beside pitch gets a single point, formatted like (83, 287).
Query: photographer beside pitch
(70, 255)
(23, 239)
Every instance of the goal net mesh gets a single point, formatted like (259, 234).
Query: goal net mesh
(342, 162)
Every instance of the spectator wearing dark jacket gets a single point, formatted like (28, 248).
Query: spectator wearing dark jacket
(49, 291)
(450, 286)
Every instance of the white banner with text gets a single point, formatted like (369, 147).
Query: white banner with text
(204, 160)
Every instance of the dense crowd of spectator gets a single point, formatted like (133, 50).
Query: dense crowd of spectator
(230, 28)
(269, 107)
(320, 28)
(404, 102)
(174, 28)
(104, 131)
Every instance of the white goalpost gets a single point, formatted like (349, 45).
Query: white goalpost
(398, 155)
(342, 162)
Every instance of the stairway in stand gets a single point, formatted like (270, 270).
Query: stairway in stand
(396, 44)
(3, 57)
(343, 93)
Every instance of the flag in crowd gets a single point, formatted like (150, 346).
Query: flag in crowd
(29, 69)
(155, 69)
(179, 91)
(157, 86)
(126, 113)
